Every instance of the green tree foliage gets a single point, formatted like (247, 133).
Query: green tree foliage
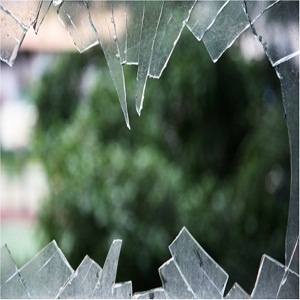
(210, 152)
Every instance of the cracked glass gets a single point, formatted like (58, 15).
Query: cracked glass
(145, 33)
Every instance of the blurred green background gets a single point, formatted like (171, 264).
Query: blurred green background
(210, 152)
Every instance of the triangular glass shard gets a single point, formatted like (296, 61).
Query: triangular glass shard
(123, 290)
(173, 282)
(75, 17)
(45, 5)
(46, 273)
(206, 278)
(12, 34)
(172, 22)
(102, 20)
(83, 281)
(268, 279)
(237, 292)
(228, 26)
(151, 19)
(12, 285)
(203, 16)
(277, 30)
(134, 24)
(106, 282)
(157, 293)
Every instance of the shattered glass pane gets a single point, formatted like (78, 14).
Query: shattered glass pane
(289, 287)
(226, 28)
(172, 22)
(288, 72)
(48, 263)
(236, 292)
(278, 30)
(205, 277)
(103, 21)
(41, 14)
(134, 23)
(268, 279)
(151, 18)
(82, 282)
(75, 17)
(157, 293)
(11, 282)
(203, 16)
(23, 11)
(12, 35)
(173, 282)
(294, 262)
(119, 11)
(106, 282)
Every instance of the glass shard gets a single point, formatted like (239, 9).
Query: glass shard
(203, 16)
(151, 19)
(46, 273)
(294, 262)
(134, 23)
(289, 287)
(83, 281)
(102, 20)
(206, 278)
(119, 11)
(12, 34)
(106, 282)
(75, 17)
(236, 292)
(268, 279)
(25, 12)
(45, 5)
(277, 29)
(123, 290)
(11, 282)
(157, 293)
(256, 8)
(171, 24)
(173, 283)
(227, 27)
(288, 73)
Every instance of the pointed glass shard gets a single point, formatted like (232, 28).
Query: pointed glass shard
(105, 285)
(206, 278)
(134, 24)
(288, 73)
(203, 16)
(12, 34)
(268, 279)
(277, 29)
(237, 292)
(255, 9)
(83, 281)
(172, 22)
(151, 19)
(46, 273)
(157, 293)
(102, 20)
(173, 282)
(228, 26)
(75, 17)
(11, 282)
(45, 5)
(123, 290)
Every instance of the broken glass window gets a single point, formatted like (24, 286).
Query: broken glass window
(144, 33)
